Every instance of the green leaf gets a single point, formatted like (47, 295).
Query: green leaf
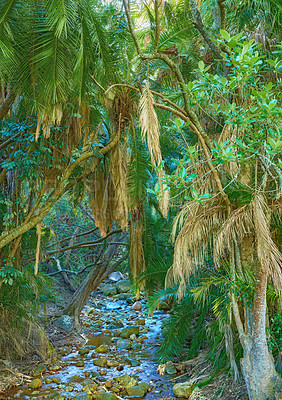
(223, 80)
(201, 65)
(272, 63)
(225, 35)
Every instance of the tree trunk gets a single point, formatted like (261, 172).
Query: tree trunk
(90, 283)
(257, 364)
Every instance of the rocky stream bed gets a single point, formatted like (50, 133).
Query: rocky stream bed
(114, 359)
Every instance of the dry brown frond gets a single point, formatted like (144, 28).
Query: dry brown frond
(150, 130)
(197, 224)
(118, 170)
(268, 253)
(101, 199)
(150, 125)
(238, 225)
(73, 133)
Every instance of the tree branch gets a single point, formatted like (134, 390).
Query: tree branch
(85, 244)
(57, 193)
(201, 28)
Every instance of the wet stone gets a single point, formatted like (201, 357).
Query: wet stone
(54, 368)
(112, 363)
(109, 290)
(84, 351)
(35, 383)
(144, 385)
(100, 362)
(65, 322)
(137, 306)
(39, 370)
(124, 344)
(127, 332)
(123, 286)
(183, 389)
(170, 369)
(136, 391)
(124, 296)
(79, 364)
(126, 380)
(87, 381)
(106, 396)
(102, 349)
(83, 396)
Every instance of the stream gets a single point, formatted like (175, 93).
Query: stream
(117, 359)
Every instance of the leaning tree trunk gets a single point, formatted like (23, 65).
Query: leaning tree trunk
(90, 283)
(257, 364)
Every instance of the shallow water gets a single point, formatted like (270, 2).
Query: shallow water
(101, 326)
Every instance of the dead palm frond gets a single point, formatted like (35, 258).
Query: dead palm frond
(150, 131)
(197, 223)
(269, 255)
(136, 250)
(101, 200)
(118, 170)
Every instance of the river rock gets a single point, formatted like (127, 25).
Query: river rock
(127, 332)
(39, 370)
(65, 322)
(109, 290)
(112, 363)
(86, 381)
(83, 396)
(79, 363)
(170, 369)
(144, 385)
(124, 344)
(35, 383)
(102, 349)
(116, 276)
(136, 391)
(100, 362)
(106, 396)
(183, 389)
(123, 286)
(126, 381)
(137, 306)
(83, 351)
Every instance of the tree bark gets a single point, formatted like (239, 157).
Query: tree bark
(91, 282)
(257, 364)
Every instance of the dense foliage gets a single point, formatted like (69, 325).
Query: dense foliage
(149, 132)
